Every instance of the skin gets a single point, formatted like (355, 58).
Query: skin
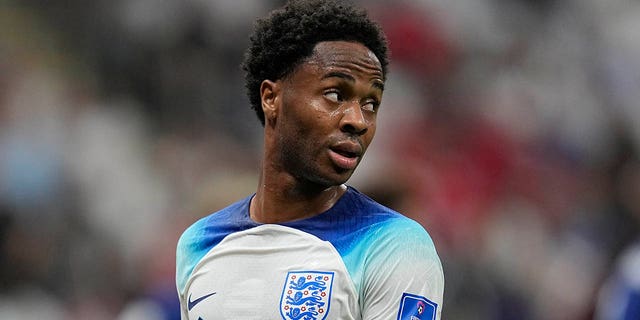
(320, 119)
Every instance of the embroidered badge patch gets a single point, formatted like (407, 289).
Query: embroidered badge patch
(415, 307)
(306, 295)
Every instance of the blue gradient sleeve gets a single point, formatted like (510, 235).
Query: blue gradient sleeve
(394, 259)
(190, 250)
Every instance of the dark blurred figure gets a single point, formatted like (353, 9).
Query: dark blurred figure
(619, 298)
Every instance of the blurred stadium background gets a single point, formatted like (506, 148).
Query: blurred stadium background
(510, 129)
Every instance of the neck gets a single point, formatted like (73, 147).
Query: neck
(281, 198)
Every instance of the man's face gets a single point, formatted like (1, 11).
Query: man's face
(327, 115)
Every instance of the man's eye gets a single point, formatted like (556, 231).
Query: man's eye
(370, 106)
(333, 96)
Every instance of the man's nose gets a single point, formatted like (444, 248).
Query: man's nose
(353, 120)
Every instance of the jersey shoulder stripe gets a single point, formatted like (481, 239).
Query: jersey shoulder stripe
(205, 234)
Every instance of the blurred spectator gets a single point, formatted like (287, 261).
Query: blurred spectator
(619, 298)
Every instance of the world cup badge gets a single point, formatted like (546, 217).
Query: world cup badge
(306, 295)
(415, 307)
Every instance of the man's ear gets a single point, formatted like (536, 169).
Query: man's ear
(270, 97)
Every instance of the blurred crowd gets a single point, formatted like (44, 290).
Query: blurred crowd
(509, 129)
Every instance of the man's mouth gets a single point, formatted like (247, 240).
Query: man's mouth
(345, 155)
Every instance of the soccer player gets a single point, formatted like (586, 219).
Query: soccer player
(305, 245)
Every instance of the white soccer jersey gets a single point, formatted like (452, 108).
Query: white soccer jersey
(358, 260)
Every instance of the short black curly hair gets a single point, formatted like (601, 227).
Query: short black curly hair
(282, 40)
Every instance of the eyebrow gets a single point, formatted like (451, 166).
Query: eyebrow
(336, 74)
(340, 75)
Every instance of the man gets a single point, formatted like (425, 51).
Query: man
(305, 246)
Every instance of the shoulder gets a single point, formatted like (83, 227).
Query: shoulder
(387, 234)
(402, 239)
(206, 233)
(399, 263)
(403, 250)
(386, 224)
(212, 226)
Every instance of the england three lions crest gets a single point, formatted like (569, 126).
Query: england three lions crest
(306, 295)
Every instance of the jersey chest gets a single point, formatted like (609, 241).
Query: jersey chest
(271, 272)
